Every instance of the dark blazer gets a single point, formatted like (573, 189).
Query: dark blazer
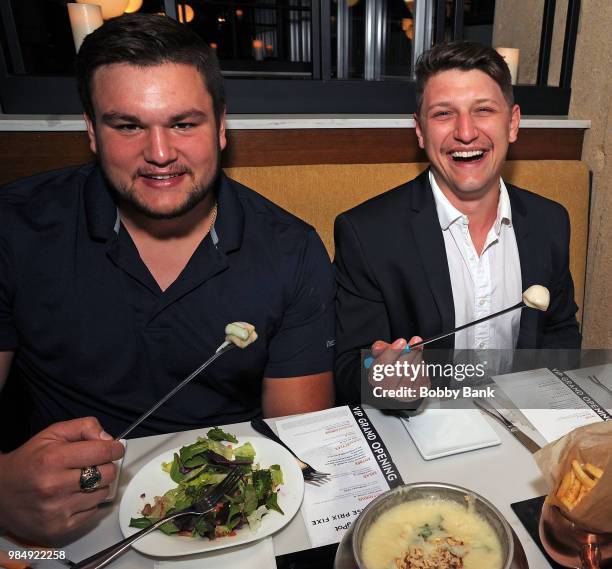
(393, 278)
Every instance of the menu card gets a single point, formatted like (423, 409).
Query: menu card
(342, 442)
(557, 402)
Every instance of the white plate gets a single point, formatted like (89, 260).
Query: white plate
(152, 481)
(442, 432)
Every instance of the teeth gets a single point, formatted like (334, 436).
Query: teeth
(162, 177)
(467, 154)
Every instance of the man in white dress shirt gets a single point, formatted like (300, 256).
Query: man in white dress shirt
(456, 243)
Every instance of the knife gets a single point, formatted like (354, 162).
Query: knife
(521, 437)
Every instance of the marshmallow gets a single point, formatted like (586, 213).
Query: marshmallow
(240, 333)
(537, 296)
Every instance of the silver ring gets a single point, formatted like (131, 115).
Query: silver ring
(90, 478)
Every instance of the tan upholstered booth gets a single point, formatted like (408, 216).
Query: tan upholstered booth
(318, 193)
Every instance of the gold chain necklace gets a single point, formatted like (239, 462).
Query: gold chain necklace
(213, 217)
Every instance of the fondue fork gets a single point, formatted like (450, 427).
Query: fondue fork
(222, 349)
(531, 299)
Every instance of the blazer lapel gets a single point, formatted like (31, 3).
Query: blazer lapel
(531, 264)
(430, 245)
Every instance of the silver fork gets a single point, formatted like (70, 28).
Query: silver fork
(309, 473)
(205, 505)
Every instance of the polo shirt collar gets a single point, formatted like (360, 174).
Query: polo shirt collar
(101, 211)
(100, 206)
(229, 225)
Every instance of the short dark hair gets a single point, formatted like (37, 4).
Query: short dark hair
(146, 40)
(465, 56)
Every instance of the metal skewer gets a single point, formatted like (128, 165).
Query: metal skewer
(369, 360)
(222, 349)
(520, 304)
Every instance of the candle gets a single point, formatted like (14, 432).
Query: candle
(84, 19)
(511, 55)
(185, 13)
(110, 8)
(133, 6)
(258, 50)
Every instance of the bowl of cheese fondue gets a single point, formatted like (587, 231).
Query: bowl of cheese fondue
(428, 525)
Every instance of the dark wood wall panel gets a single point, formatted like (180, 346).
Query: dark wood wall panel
(323, 146)
(26, 153)
(547, 144)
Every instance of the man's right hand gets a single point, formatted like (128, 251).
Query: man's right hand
(40, 495)
(388, 354)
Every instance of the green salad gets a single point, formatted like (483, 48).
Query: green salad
(203, 464)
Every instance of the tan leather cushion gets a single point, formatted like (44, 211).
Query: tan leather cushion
(318, 193)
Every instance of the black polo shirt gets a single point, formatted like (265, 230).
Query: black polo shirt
(94, 334)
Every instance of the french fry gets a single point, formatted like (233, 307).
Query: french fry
(566, 484)
(583, 492)
(577, 483)
(584, 478)
(573, 492)
(596, 472)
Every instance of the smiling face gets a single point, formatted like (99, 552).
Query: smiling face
(465, 125)
(155, 136)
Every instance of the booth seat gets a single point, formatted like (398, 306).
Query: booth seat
(318, 193)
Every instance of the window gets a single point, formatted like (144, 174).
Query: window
(287, 56)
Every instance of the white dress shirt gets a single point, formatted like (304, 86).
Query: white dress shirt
(482, 284)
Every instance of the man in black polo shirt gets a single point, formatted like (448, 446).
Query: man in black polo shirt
(117, 280)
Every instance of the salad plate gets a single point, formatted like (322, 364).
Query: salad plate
(151, 480)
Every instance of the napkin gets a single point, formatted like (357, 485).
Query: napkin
(442, 432)
(257, 555)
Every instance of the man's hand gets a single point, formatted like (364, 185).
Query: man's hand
(40, 495)
(386, 354)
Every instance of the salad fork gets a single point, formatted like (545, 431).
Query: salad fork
(206, 504)
(309, 473)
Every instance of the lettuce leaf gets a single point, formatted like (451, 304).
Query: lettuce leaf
(189, 451)
(245, 452)
(254, 520)
(277, 475)
(221, 449)
(272, 503)
(217, 434)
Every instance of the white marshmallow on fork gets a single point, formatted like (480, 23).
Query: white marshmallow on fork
(241, 334)
(538, 297)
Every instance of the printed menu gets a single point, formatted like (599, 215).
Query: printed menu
(556, 402)
(342, 442)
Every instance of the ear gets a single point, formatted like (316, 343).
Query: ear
(91, 133)
(515, 120)
(222, 137)
(419, 131)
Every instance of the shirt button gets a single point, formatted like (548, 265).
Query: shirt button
(482, 345)
(482, 302)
